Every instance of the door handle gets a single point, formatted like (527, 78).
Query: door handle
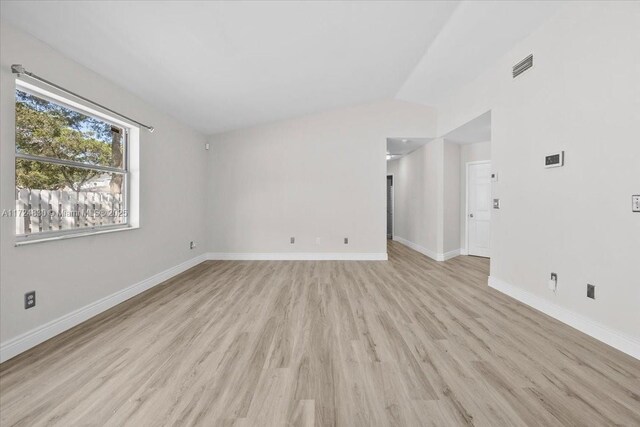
(470, 215)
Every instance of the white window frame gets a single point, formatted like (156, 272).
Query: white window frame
(130, 171)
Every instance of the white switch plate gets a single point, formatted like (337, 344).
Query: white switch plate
(635, 203)
(552, 284)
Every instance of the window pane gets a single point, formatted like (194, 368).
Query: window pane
(44, 128)
(51, 197)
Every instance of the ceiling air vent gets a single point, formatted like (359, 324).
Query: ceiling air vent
(522, 66)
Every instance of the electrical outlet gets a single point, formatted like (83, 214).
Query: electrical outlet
(635, 203)
(591, 291)
(494, 177)
(29, 300)
(496, 203)
(292, 240)
(192, 244)
(346, 240)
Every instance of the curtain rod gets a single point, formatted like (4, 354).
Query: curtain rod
(19, 70)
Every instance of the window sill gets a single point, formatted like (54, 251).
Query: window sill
(74, 235)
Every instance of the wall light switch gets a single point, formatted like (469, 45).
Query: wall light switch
(635, 203)
(552, 284)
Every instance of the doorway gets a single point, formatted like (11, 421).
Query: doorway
(479, 208)
(389, 206)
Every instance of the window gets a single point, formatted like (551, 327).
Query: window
(71, 169)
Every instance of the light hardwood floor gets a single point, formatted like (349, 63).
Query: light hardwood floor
(404, 342)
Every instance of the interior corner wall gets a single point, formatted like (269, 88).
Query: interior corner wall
(479, 151)
(415, 191)
(427, 199)
(318, 178)
(451, 199)
(582, 96)
(72, 275)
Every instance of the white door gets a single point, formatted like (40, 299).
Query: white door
(478, 208)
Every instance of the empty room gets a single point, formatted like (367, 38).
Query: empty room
(318, 213)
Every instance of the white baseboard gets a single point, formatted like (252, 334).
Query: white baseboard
(615, 339)
(431, 254)
(30, 339)
(298, 256)
(451, 254)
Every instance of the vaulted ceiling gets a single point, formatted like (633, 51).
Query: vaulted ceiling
(218, 66)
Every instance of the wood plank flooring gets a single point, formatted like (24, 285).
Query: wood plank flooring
(404, 342)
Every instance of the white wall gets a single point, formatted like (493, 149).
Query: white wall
(415, 198)
(581, 96)
(469, 153)
(451, 198)
(70, 274)
(427, 199)
(393, 169)
(319, 178)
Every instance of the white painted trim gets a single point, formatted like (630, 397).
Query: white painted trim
(466, 204)
(91, 232)
(31, 338)
(615, 339)
(424, 251)
(431, 254)
(451, 254)
(298, 256)
(393, 203)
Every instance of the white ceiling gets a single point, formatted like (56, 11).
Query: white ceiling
(219, 66)
(398, 147)
(224, 65)
(476, 130)
(477, 34)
